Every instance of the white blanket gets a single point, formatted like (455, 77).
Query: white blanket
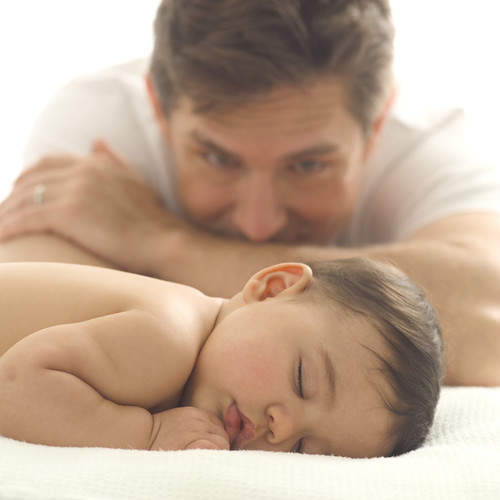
(460, 460)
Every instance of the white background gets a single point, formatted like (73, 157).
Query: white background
(446, 52)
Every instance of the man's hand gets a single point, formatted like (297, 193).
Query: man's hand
(188, 428)
(102, 212)
(97, 202)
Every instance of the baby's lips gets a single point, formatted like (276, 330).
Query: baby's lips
(248, 428)
(239, 428)
(232, 422)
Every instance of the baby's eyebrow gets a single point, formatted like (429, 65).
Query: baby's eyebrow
(328, 370)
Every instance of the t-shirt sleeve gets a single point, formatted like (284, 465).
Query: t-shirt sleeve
(69, 123)
(108, 104)
(111, 104)
(421, 175)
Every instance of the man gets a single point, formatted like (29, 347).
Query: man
(264, 132)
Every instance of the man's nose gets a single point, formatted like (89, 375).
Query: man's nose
(259, 214)
(282, 424)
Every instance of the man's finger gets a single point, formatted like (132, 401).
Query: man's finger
(100, 146)
(49, 162)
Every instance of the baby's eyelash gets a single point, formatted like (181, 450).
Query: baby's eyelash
(299, 378)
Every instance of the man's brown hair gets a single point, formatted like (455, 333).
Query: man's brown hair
(224, 53)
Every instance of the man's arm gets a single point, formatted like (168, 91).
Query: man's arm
(455, 260)
(96, 210)
(45, 247)
(91, 384)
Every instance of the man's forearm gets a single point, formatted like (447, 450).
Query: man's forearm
(42, 247)
(455, 261)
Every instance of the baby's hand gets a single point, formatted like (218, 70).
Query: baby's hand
(187, 428)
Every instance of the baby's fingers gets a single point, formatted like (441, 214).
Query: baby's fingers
(213, 438)
(214, 442)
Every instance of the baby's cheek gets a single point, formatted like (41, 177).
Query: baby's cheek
(265, 375)
(251, 369)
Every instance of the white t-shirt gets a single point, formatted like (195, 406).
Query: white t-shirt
(420, 172)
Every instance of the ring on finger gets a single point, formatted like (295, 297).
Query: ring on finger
(39, 194)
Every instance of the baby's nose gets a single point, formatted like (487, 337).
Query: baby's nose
(282, 424)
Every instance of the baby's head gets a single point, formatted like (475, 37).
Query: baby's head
(341, 357)
(408, 325)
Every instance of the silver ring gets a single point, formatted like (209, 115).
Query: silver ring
(38, 194)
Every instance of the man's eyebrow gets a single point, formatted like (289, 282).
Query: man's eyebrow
(208, 143)
(318, 150)
(329, 371)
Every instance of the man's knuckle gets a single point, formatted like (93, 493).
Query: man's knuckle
(45, 161)
(71, 206)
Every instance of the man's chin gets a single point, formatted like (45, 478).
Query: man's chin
(284, 238)
(300, 233)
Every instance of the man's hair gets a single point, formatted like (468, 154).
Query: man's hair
(409, 327)
(224, 53)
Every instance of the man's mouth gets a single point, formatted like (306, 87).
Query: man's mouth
(238, 427)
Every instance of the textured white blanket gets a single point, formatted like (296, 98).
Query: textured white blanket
(461, 460)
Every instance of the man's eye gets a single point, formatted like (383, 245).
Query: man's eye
(219, 159)
(307, 166)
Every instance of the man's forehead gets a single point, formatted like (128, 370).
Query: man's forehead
(321, 96)
(288, 128)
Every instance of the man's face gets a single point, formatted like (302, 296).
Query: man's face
(285, 168)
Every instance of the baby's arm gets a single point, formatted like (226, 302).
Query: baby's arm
(91, 384)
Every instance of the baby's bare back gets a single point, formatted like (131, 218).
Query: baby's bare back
(97, 352)
(34, 296)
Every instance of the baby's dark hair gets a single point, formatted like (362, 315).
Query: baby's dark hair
(408, 324)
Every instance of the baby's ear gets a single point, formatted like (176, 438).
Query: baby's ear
(287, 278)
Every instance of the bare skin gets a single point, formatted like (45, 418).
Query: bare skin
(243, 213)
(97, 357)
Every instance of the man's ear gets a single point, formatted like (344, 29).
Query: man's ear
(159, 114)
(378, 125)
(281, 279)
(153, 98)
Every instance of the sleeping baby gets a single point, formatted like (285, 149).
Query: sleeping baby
(341, 357)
